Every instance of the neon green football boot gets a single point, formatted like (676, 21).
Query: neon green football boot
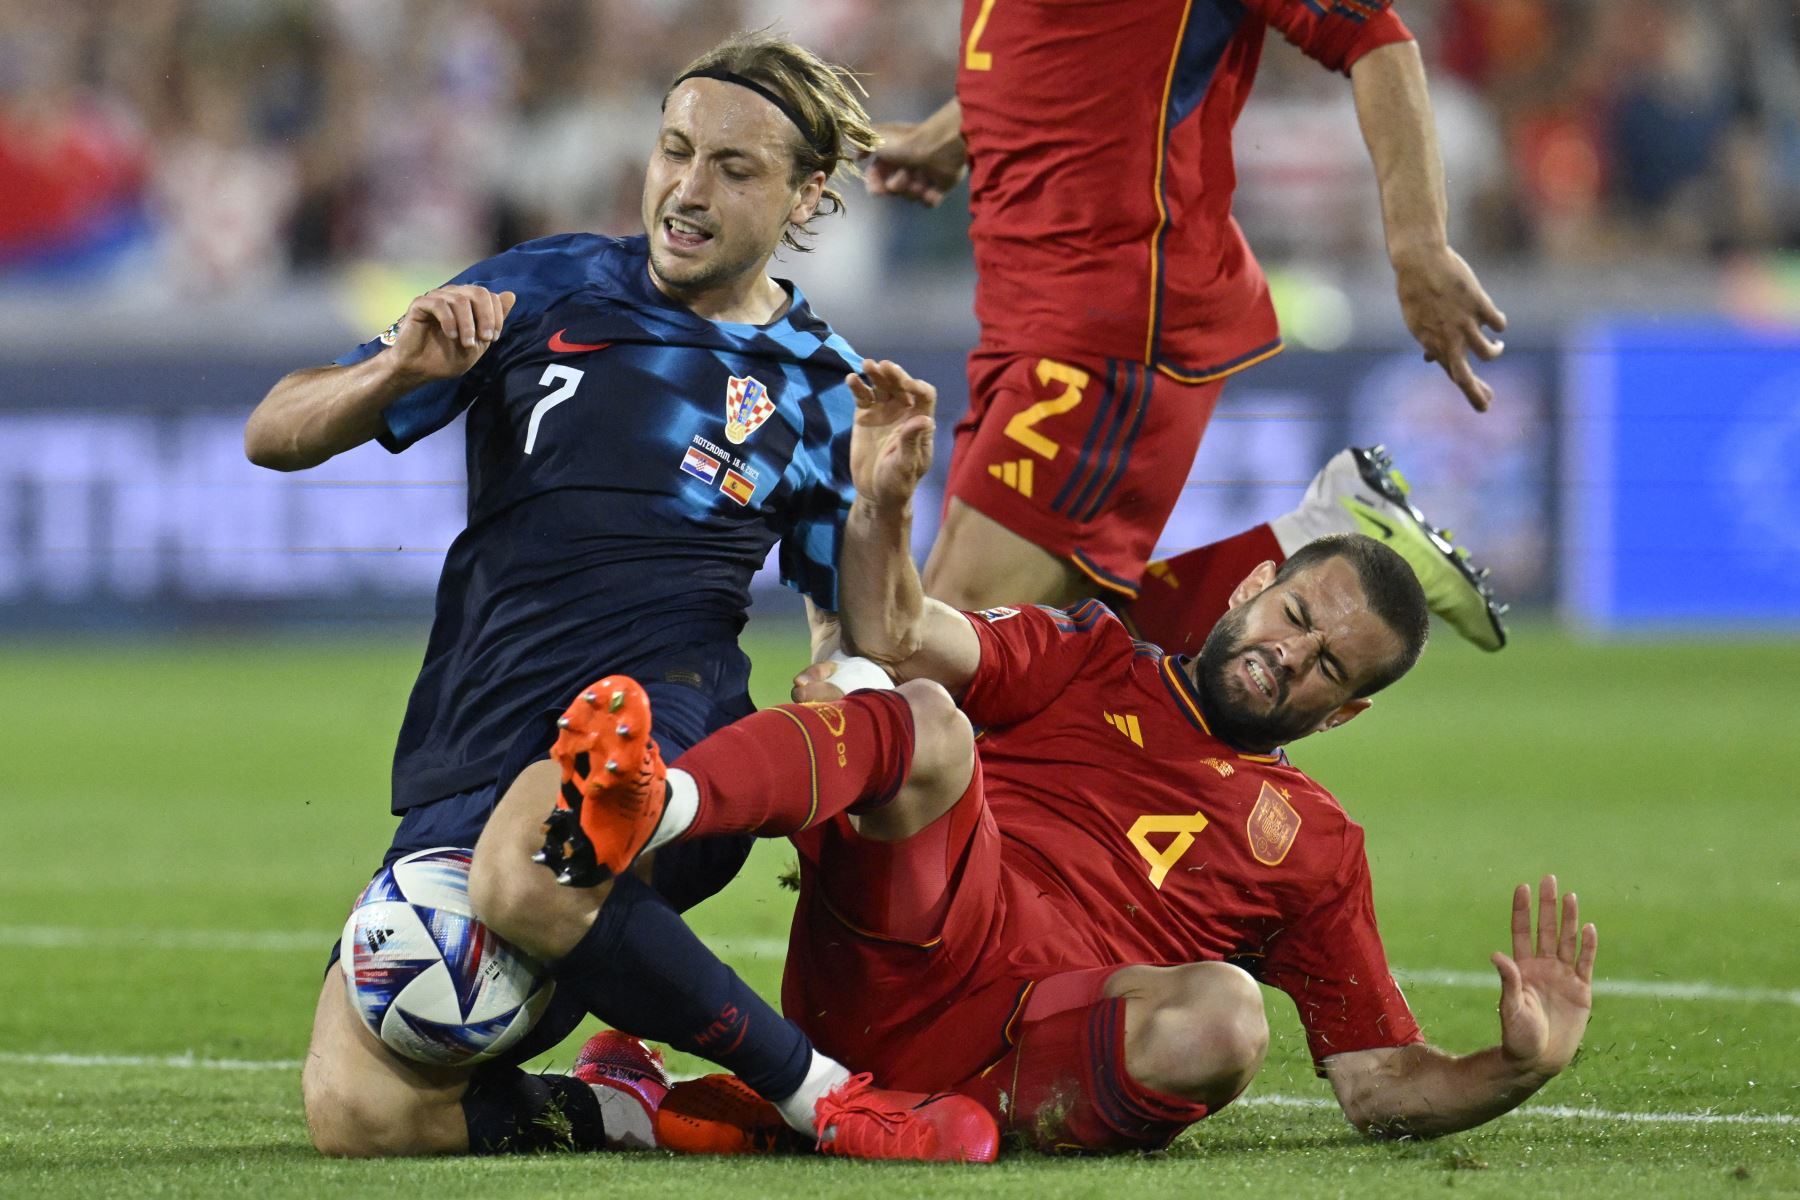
(1360, 491)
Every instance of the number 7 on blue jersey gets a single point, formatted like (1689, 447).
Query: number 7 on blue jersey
(570, 379)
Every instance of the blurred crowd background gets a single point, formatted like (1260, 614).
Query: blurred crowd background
(229, 189)
(228, 144)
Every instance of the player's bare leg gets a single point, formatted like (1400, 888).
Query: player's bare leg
(515, 897)
(364, 1101)
(1195, 1031)
(979, 563)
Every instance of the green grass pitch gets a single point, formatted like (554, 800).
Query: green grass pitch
(184, 823)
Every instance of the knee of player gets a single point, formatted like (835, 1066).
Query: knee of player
(943, 740)
(1224, 1002)
(349, 1122)
(521, 901)
(1208, 1032)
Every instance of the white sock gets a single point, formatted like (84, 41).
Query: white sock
(797, 1109)
(679, 810)
(856, 674)
(627, 1122)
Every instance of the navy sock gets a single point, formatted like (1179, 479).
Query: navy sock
(641, 969)
(509, 1111)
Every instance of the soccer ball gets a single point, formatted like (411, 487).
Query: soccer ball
(428, 979)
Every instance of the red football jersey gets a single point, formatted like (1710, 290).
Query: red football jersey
(1100, 181)
(1132, 835)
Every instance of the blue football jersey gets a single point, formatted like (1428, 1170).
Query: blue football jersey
(630, 465)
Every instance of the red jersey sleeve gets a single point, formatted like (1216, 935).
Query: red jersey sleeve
(1334, 32)
(1029, 655)
(1331, 963)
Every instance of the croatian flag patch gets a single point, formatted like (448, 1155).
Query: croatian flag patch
(700, 465)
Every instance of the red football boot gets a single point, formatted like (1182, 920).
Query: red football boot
(858, 1120)
(613, 784)
(615, 1060)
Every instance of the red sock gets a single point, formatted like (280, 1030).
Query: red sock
(784, 769)
(1183, 597)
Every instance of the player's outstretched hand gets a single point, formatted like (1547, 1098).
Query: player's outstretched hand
(1546, 986)
(920, 162)
(1445, 308)
(448, 329)
(890, 444)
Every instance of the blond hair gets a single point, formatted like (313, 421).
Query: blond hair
(833, 128)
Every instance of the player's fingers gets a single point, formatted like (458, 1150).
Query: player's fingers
(1546, 930)
(891, 378)
(1521, 921)
(436, 310)
(507, 300)
(1510, 980)
(462, 316)
(490, 314)
(1488, 311)
(816, 672)
(1463, 375)
(860, 391)
(1487, 349)
(816, 693)
(1590, 946)
(1569, 931)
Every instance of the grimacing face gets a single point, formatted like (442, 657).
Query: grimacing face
(718, 191)
(1288, 658)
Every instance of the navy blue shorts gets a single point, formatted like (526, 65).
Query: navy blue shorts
(684, 872)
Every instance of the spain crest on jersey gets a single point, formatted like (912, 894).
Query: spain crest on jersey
(747, 405)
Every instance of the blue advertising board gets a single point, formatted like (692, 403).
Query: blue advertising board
(1680, 478)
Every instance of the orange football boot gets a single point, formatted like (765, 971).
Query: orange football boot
(720, 1114)
(613, 784)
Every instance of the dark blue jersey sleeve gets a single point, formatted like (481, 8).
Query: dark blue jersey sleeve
(813, 535)
(536, 273)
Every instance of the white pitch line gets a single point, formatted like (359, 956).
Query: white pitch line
(179, 1062)
(1654, 989)
(1563, 1112)
(1559, 1112)
(74, 937)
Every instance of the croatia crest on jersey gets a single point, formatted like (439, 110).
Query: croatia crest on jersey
(747, 406)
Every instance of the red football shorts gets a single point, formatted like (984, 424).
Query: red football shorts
(897, 966)
(1084, 459)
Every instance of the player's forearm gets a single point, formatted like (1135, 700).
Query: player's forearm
(943, 127)
(1422, 1091)
(882, 602)
(1394, 110)
(313, 414)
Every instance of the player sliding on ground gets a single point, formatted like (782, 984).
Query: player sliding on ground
(1066, 918)
(647, 416)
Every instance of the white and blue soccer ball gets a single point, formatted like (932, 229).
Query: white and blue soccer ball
(428, 979)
